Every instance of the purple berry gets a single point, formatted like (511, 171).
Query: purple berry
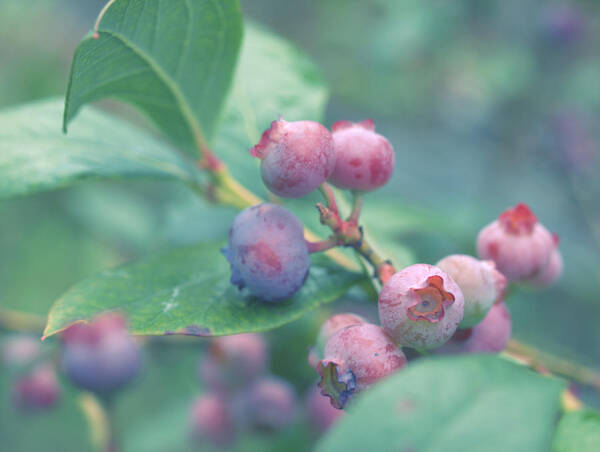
(489, 336)
(364, 159)
(269, 404)
(211, 420)
(356, 357)
(38, 390)
(267, 252)
(233, 361)
(321, 414)
(296, 157)
(518, 244)
(421, 307)
(20, 350)
(479, 281)
(328, 329)
(100, 356)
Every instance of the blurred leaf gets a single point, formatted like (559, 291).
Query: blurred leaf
(578, 431)
(173, 60)
(289, 84)
(187, 291)
(35, 155)
(481, 403)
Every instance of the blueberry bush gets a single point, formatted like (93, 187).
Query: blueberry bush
(232, 267)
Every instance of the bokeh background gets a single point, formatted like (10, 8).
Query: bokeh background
(486, 103)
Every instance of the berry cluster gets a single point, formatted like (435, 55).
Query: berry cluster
(240, 395)
(455, 306)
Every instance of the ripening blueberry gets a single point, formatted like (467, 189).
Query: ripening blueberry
(519, 245)
(100, 356)
(551, 272)
(269, 404)
(489, 336)
(20, 350)
(211, 420)
(421, 307)
(267, 252)
(479, 281)
(364, 159)
(356, 357)
(296, 157)
(331, 326)
(38, 390)
(321, 414)
(233, 361)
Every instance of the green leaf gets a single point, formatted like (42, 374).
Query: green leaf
(187, 291)
(272, 78)
(35, 156)
(477, 403)
(173, 60)
(578, 431)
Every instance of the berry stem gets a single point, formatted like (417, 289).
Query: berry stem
(356, 207)
(327, 192)
(100, 416)
(321, 245)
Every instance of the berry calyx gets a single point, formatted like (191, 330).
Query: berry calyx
(518, 220)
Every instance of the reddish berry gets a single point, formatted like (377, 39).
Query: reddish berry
(269, 404)
(479, 281)
(519, 245)
(233, 361)
(356, 357)
(328, 329)
(20, 350)
(551, 272)
(364, 159)
(321, 414)
(489, 336)
(421, 307)
(100, 356)
(296, 157)
(267, 252)
(211, 420)
(38, 390)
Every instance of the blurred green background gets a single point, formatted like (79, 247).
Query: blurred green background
(486, 103)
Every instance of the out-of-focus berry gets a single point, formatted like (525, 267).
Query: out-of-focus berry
(267, 252)
(321, 414)
(489, 336)
(520, 246)
(211, 420)
(551, 272)
(38, 390)
(562, 24)
(269, 404)
(421, 307)
(364, 159)
(329, 328)
(479, 281)
(20, 350)
(356, 357)
(233, 361)
(100, 356)
(296, 157)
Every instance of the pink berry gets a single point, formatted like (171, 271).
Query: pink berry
(20, 350)
(101, 356)
(364, 159)
(320, 412)
(519, 245)
(296, 157)
(233, 361)
(38, 390)
(328, 329)
(269, 404)
(421, 307)
(356, 357)
(489, 336)
(479, 281)
(211, 420)
(551, 272)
